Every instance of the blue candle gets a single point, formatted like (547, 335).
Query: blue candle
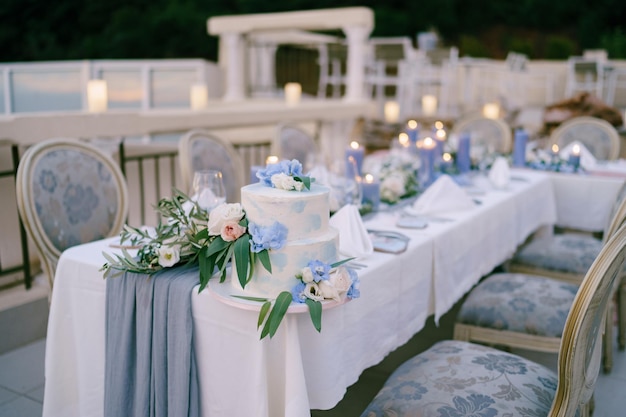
(253, 170)
(413, 131)
(357, 152)
(463, 162)
(371, 191)
(519, 150)
(574, 156)
(427, 162)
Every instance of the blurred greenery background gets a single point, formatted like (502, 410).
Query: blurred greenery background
(36, 30)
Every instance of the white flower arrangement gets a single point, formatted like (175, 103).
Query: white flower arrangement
(397, 172)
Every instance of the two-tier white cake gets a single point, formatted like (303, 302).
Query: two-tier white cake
(305, 214)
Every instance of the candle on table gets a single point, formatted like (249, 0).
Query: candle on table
(429, 105)
(253, 170)
(392, 112)
(272, 159)
(491, 110)
(427, 162)
(574, 156)
(519, 150)
(403, 140)
(463, 162)
(371, 191)
(356, 151)
(440, 136)
(199, 96)
(293, 92)
(555, 153)
(446, 162)
(439, 125)
(97, 96)
(412, 129)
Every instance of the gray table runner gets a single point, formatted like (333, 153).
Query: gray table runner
(150, 368)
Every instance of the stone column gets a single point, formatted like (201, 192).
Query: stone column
(235, 67)
(355, 82)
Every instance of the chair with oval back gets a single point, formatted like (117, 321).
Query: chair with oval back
(69, 193)
(597, 135)
(202, 150)
(492, 133)
(461, 378)
(293, 142)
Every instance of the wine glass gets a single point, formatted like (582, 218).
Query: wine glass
(208, 189)
(344, 182)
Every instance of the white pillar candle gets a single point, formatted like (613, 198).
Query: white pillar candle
(429, 105)
(491, 110)
(293, 92)
(198, 96)
(272, 159)
(392, 112)
(97, 97)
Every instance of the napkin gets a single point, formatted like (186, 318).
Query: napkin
(443, 195)
(500, 173)
(587, 160)
(354, 240)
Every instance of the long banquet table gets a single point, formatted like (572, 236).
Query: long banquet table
(299, 369)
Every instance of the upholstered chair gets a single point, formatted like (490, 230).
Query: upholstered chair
(597, 135)
(69, 193)
(293, 142)
(568, 256)
(201, 150)
(493, 134)
(455, 378)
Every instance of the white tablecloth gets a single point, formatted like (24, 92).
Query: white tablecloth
(299, 369)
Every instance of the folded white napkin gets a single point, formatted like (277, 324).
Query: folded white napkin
(354, 240)
(500, 173)
(443, 195)
(587, 160)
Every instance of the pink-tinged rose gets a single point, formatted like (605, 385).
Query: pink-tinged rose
(222, 214)
(328, 291)
(341, 280)
(232, 231)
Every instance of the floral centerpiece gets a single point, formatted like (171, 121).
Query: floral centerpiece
(189, 234)
(397, 172)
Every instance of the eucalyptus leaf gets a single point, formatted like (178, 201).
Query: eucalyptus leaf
(278, 312)
(339, 263)
(264, 257)
(217, 245)
(315, 311)
(265, 308)
(242, 258)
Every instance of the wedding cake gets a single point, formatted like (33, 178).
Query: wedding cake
(304, 215)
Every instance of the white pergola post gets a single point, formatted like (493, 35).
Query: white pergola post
(355, 78)
(235, 79)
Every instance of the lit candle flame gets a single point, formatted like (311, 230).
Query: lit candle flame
(429, 143)
(438, 125)
(441, 134)
(576, 150)
(403, 138)
(412, 124)
(446, 157)
(369, 178)
(354, 144)
(272, 159)
(555, 148)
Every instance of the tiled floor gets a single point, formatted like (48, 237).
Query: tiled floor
(22, 381)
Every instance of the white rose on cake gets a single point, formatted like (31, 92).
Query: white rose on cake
(283, 181)
(223, 214)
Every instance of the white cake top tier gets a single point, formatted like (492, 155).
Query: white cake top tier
(305, 213)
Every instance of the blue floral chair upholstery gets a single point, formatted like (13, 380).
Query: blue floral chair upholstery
(598, 136)
(457, 378)
(69, 193)
(201, 150)
(568, 256)
(292, 142)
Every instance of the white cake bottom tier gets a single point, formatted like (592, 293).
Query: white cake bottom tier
(288, 262)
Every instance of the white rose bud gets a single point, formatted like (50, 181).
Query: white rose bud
(328, 291)
(312, 291)
(307, 275)
(341, 280)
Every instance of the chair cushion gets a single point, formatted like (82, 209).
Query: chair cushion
(455, 378)
(569, 252)
(75, 196)
(520, 303)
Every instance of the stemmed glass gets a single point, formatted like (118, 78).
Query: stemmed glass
(345, 184)
(208, 189)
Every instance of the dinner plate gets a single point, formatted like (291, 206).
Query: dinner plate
(226, 293)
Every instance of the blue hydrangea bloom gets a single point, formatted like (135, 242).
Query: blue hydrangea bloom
(353, 291)
(292, 168)
(269, 237)
(297, 292)
(320, 270)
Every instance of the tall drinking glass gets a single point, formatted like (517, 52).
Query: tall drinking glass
(208, 189)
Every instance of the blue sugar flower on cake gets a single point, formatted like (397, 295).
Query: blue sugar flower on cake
(284, 175)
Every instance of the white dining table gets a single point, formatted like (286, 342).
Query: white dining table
(299, 369)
